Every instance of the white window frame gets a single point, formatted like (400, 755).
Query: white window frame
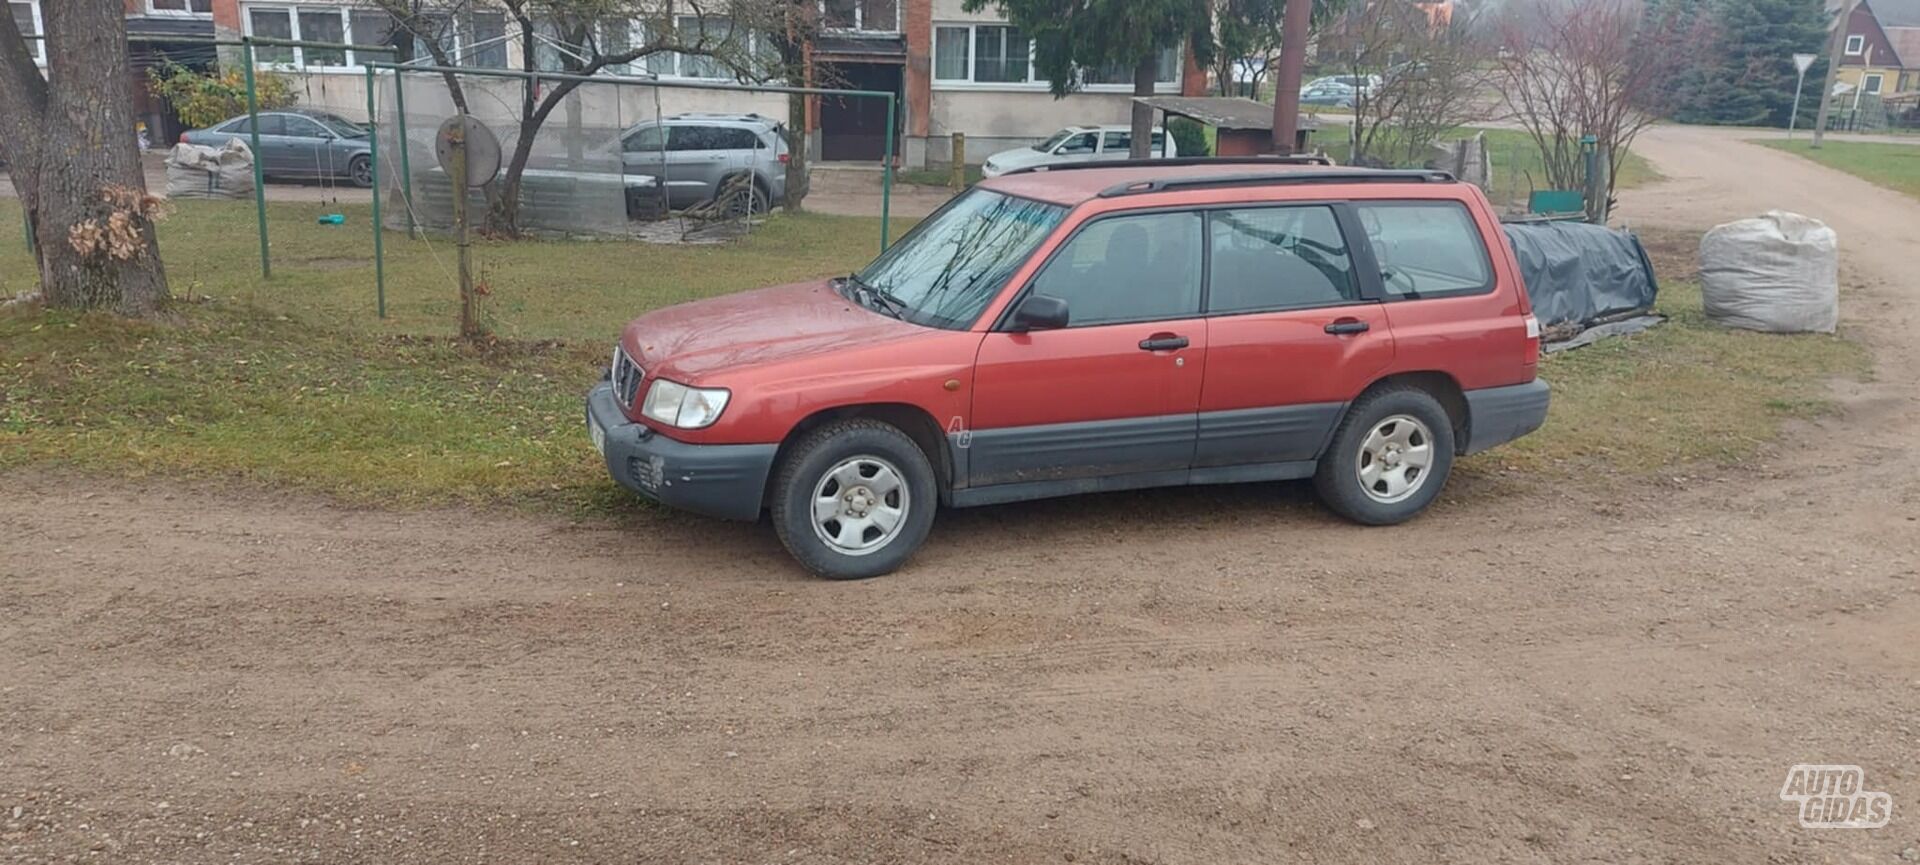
(351, 62)
(679, 63)
(1856, 45)
(859, 27)
(1033, 82)
(37, 46)
(354, 64)
(1873, 83)
(178, 13)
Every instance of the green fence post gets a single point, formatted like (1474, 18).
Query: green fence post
(373, 162)
(400, 131)
(259, 175)
(886, 178)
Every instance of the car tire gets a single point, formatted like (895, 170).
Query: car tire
(360, 171)
(833, 487)
(1389, 458)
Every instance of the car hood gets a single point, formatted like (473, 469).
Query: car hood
(693, 343)
(1019, 157)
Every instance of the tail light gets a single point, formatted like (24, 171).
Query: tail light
(786, 159)
(1533, 340)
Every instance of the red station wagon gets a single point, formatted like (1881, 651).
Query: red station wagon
(1085, 328)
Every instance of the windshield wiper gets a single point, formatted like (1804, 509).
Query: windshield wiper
(876, 299)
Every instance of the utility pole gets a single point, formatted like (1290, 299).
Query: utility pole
(1836, 50)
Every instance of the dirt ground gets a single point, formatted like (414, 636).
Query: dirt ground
(1532, 673)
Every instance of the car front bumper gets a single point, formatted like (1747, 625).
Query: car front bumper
(726, 481)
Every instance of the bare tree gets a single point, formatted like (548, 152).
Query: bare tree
(1435, 76)
(1577, 68)
(75, 163)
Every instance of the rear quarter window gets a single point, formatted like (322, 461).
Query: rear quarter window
(1427, 249)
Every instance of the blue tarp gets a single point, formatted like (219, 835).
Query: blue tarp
(1579, 274)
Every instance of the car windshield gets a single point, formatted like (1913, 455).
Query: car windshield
(340, 125)
(1054, 140)
(945, 272)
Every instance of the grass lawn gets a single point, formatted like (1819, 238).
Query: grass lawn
(1894, 166)
(294, 381)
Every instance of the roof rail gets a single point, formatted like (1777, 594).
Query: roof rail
(1175, 162)
(1291, 178)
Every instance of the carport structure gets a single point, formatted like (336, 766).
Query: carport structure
(1242, 127)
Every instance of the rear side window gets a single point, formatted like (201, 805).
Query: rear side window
(1128, 268)
(1427, 249)
(735, 138)
(1277, 258)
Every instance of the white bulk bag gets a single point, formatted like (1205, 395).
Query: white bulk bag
(1779, 273)
(197, 171)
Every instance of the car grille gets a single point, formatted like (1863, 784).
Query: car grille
(626, 376)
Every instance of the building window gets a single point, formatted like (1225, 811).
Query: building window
(473, 39)
(1167, 72)
(1856, 45)
(1872, 84)
(26, 17)
(193, 8)
(998, 54)
(867, 16)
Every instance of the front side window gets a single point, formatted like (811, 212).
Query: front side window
(1274, 258)
(1427, 249)
(1078, 145)
(945, 272)
(693, 138)
(1121, 141)
(301, 127)
(1128, 268)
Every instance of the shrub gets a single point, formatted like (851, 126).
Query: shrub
(1189, 137)
(205, 98)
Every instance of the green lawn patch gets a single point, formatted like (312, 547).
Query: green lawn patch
(1894, 166)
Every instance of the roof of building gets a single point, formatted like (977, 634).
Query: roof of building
(1223, 112)
(1906, 44)
(1072, 187)
(1895, 13)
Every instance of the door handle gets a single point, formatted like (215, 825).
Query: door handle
(1164, 342)
(1348, 326)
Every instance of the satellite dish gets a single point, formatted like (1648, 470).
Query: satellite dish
(483, 149)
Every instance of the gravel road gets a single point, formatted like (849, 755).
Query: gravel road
(1535, 672)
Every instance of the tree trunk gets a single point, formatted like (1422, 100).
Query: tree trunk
(76, 162)
(797, 183)
(1294, 28)
(1144, 73)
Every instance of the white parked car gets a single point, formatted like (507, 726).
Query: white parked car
(1078, 144)
(1366, 85)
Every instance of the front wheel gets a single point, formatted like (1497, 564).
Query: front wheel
(360, 171)
(1389, 459)
(854, 499)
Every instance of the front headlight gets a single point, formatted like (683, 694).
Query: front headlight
(677, 405)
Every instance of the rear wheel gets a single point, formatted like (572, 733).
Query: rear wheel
(854, 499)
(1389, 459)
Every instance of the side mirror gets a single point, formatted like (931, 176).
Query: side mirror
(1040, 312)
